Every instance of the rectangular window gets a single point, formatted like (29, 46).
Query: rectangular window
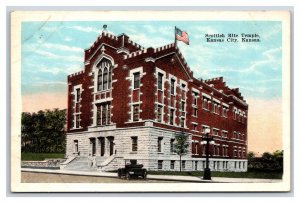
(182, 108)
(196, 165)
(77, 94)
(204, 127)
(77, 121)
(99, 115)
(182, 121)
(136, 77)
(195, 126)
(183, 165)
(75, 146)
(159, 144)
(134, 141)
(103, 114)
(160, 164)
(197, 148)
(171, 121)
(195, 112)
(108, 114)
(205, 103)
(172, 86)
(159, 113)
(172, 145)
(159, 81)
(136, 112)
(195, 99)
(172, 166)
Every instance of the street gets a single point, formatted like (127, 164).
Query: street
(31, 177)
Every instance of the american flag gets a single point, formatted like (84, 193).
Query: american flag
(181, 36)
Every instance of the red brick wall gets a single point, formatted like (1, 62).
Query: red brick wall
(172, 64)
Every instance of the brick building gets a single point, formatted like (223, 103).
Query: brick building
(129, 102)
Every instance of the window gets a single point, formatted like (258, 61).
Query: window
(203, 149)
(215, 132)
(136, 79)
(134, 144)
(197, 148)
(224, 112)
(75, 146)
(195, 127)
(77, 94)
(182, 108)
(172, 165)
(172, 87)
(159, 144)
(103, 114)
(77, 121)
(234, 114)
(195, 99)
(159, 81)
(204, 127)
(205, 104)
(135, 112)
(105, 79)
(195, 112)
(172, 145)
(234, 135)
(99, 80)
(183, 164)
(196, 165)
(171, 121)
(160, 164)
(183, 91)
(159, 113)
(182, 121)
(215, 108)
(104, 75)
(224, 133)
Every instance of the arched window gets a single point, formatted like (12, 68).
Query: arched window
(99, 80)
(104, 75)
(109, 77)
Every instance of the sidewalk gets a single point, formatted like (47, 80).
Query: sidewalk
(156, 177)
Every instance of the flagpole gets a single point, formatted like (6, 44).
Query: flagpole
(175, 37)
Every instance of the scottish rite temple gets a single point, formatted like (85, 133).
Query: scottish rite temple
(129, 102)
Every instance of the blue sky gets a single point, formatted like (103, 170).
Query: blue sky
(52, 50)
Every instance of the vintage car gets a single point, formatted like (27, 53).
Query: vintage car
(132, 171)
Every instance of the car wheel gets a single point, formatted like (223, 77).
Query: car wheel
(119, 174)
(145, 175)
(128, 176)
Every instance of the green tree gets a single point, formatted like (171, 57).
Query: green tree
(181, 145)
(251, 156)
(43, 131)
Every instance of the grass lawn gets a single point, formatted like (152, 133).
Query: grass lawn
(249, 174)
(40, 156)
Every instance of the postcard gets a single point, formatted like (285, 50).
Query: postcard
(150, 101)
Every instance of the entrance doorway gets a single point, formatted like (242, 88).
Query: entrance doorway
(102, 145)
(111, 145)
(93, 146)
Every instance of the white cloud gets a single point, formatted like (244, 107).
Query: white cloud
(62, 47)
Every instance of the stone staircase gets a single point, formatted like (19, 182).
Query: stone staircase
(81, 164)
(97, 163)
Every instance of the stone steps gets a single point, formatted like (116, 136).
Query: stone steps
(80, 164)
